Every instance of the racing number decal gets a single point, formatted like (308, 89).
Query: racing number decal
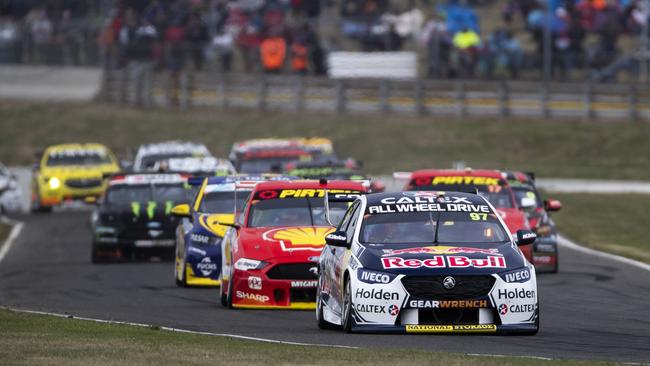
(476, 216)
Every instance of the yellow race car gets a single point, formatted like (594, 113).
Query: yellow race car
(70, 172)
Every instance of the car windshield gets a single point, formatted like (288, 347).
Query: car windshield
(432, 228)
(126, 194)
(223, 202)
(527, 192)
(498, 195)
(264, 165)
(149, 161)
(294, 212)
(77, 157)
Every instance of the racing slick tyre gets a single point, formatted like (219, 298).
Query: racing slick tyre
(94, 258)
(180, 277)
(226, 298)
(322, 324)
(36, 207)
(347, 307)
(557, 261)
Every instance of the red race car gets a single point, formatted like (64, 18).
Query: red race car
(270, 255)
(489, 183)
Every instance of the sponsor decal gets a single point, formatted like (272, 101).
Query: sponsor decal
(197, 251)
(306, 193)
(451, 328)
(302, 284)
(204, 239)
(314, 270)
(448, 304)
(372, 277)
(464, 180)
(528, 236)
(336, 237)
(206, 266)
(441, 250)
(375, 294)
(154, 233)
(304, 238)
(398, 207)
(393, 310)
(503, 309)
(255, 297)
(516, 308)
(314, 258)
(547, 248)
(520, 275)
(542, 259)
(369, 308)
(444, 262)
(520, 293)
(254, 283)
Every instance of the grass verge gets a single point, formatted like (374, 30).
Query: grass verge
(613, 223)
(385, 142)
(29, 339)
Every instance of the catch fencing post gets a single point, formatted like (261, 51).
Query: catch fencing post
(632, 113)
(546, 113)
(460, 99)
(300, 93)
(419, 98)
(504, 99)
(588, 113)
(222, 90)
(340, 96)
(384, 95)
(184, 99)
(261, 94)
(124, 86)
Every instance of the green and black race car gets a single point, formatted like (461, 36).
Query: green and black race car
(134, 217)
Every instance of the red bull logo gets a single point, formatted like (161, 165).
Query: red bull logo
(441, 250)
(303, 238)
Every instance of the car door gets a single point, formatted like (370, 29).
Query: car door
(339, 255)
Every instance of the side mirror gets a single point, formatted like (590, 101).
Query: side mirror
(552, 205)
(525, 237)
(182, 210)
(527, 202)
(337, 239)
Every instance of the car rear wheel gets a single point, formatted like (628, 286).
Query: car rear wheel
(347, 307)
(36, 206)
(181, 281)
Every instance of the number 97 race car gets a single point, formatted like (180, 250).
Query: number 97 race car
(426, 262)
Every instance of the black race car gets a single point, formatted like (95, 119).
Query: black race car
(133, 218)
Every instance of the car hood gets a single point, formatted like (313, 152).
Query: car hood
(208, 224)
(423, 259)
(85, 171)
(296, 242)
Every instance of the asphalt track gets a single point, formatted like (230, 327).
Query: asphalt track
(595, 308)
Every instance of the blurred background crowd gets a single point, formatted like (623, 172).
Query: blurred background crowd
(453, 38)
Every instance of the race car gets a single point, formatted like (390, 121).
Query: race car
(10, 192)
(545, 252)
(270, 155)
(426, 262)
(70, 172)
(270, 254)
(489, 183)
(348, 169)
(196, 166)
(199, 235)
(133, 219)
(149, 155)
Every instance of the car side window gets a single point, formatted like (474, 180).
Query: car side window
(345, 221)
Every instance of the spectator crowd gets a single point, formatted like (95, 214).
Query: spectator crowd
(282, 36)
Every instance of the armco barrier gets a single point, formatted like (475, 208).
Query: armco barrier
(139, 85)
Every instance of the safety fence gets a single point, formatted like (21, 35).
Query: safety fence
(139, 85)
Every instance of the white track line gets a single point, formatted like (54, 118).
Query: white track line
(15, 231)
(565, 242)
(177, 330)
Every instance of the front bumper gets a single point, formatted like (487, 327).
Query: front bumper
(447, 329)
(253, 289)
